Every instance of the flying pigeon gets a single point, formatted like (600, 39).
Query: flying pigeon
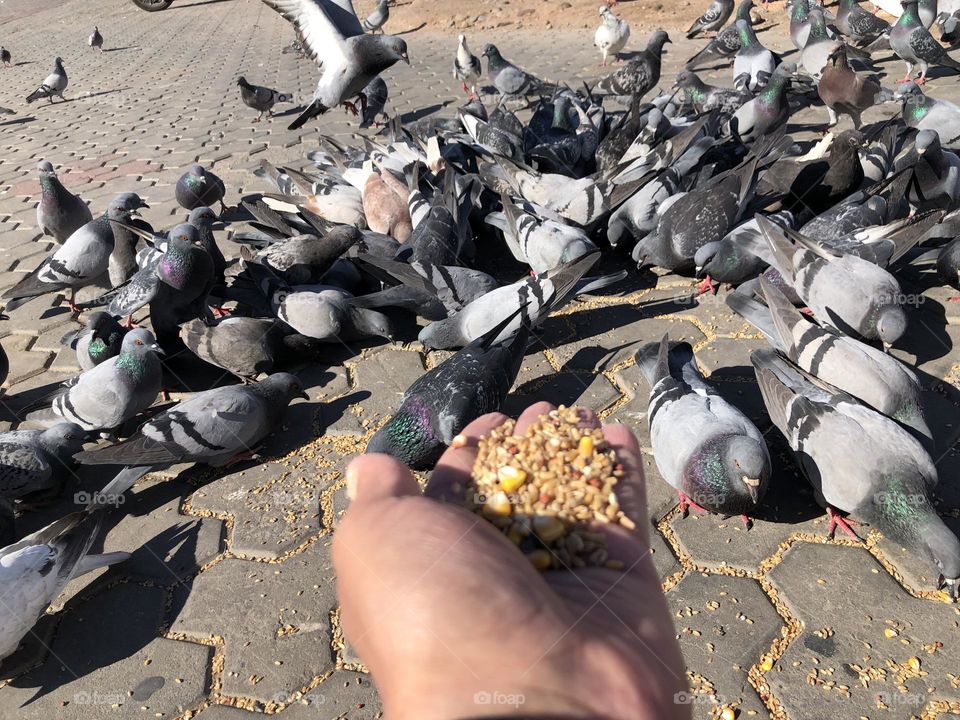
(713, 18)
(60, 213)
(262, 99)
(199, 187)
(447, 398)
(914, 44)
(81, 260)
(216, 427)
(378, 18)
(35, 465)
(349, 58)
(35, 570)
(55, 84)
(114, 391)
(96, 39)
(859, 462)
(704, 447)
(612, 35)
(99, 340)
(466, 67)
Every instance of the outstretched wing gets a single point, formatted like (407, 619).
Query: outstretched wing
(324, 26)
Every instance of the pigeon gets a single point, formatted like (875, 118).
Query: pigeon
(705, 448)
(385, 205)
(846, 92)
(328, 198)
(114, 391)
(949, 25)
(612, 35)
(96, 39)
(376, 92)
(5, 56)
(543, 244)
(768, 111)
(948, 265)
(8, 523)
(859, 25)
(820, 46)
(216, 427)
(859, 462)
(305, 259)
(442, 237)
(754, 64)
(705, 98)
(35, 570)
(378, 18)
(551, 141)
(640, 75)
(34, 466)
(845, 292)
(81, 260)
(509, 80)
(914, 44)
(4, 365)
(537, 296)
(727, 42)
(99, 340)
(713, 18)
(928, 11)
(800, 21)
(203, 218)
(732, 259)
(55, 84)
(466, 67)
(199, 187)
(923, 112)
(60, 213)
(262, 99)
(872, 376)
(349, 58)
(443, 401)
(242, 346)
(936, 173)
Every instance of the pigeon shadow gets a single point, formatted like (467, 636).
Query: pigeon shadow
(23, 62)
(121, 49)
(177, 6)
(423, 112)
(926, 337)
(331, 412)
(287, 113)
(421, 26)
(18, 121)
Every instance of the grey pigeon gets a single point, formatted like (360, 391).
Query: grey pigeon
(754, 64)
(845, 292)
(713, 18)
(96, 39)
(923, 112)
(639, 76)
(914, 44)
(60, 213)
(859, 25)
(203, 218)
(534, 297)
(199, 187)
(35, 466)
(216, 427)
(262, 99)
(350, 58)
(114, 391)
(949, 24)
(766, 112)
(35, 570)
(99, 340)
(705, 98)
(859, 462)
(820, 46)
(466, 67)
(705, 448)
(376, 93)
(447, 398)
(509, 80)
(243, 346)
(54, 84)
(304, 259)
(612, 35)
(732, 259)
(5, 56)
(378, 18)
(82, 259)
(443, 236)
(875, 377)
(936, 173)
(727, 42)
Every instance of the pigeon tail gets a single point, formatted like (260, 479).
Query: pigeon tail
(314, 109)
(94, 562)
(118, 486)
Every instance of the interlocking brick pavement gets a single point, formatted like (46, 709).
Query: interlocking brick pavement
(228, 605)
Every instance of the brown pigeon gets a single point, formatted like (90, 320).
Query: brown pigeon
(844, 91)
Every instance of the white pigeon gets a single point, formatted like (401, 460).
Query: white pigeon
(466, 67)
(612, 35)
(34, 571)
(349, 58)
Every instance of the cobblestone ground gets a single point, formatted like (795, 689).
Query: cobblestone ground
(228, 604)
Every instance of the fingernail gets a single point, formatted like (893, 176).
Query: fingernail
(352, 479)
(459, 441)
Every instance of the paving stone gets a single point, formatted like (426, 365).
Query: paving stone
(849, 606)
(343, 694)
(276, 627)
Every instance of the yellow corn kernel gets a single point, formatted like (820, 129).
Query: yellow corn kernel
(889, 633)
(547, 528)
(540, 559)
(728, 714)
(497, 504)
(914, 663)
(511, 478)
(766, 664)
(585, 448)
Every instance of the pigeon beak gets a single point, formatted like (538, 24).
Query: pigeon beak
(887, 347)
(753, 486)
(157, 349)
(134, 213)
(303, 394)
(144, 205)
(951, 586)
(405, 58)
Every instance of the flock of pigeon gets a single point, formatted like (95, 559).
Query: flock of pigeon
(700, 180)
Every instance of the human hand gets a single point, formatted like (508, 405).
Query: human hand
(454, 622)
